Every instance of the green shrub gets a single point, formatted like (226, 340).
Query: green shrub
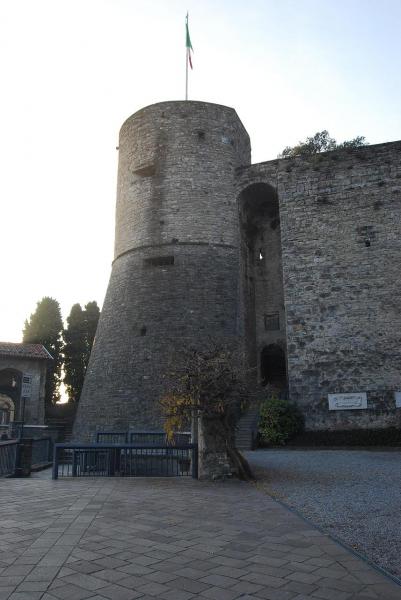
(279, 421)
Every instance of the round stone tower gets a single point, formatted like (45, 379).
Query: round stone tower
(175, 276)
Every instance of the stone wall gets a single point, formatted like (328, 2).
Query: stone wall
(341, 249)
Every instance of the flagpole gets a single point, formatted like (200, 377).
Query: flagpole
(186, 74)
(186, 57)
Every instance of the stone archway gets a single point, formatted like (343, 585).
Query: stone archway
(10, 387)
(262, 283)
(7, 410)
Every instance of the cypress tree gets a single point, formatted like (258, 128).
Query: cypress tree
(74, 352)
(45, 326)
(78, 338)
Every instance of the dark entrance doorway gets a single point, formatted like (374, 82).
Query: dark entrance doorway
(273, 368)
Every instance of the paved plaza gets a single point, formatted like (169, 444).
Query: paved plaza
(173, 539)
(354, 495)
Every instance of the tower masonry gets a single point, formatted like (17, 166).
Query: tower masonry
(296, 260)
(175, 275)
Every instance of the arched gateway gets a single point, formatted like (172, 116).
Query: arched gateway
(7, 410)
(262, 277)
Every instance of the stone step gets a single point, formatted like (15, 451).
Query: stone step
(247, 429)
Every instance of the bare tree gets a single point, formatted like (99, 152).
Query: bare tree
(210, 387)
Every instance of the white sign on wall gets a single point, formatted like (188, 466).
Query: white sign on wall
(397, 396)
(348, 401)
(26, 386)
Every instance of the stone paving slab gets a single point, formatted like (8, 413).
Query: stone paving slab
(172, 539)
(352, 494)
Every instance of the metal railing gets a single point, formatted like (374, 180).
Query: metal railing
(153, 438)
(148, 438)
(8, 458)
(125, 460)
(182, 437)
(12, 430)
(145, 438)
(4, 429)
(42, 451)
(112, 437)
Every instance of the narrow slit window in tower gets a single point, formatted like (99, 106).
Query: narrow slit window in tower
(159, 261)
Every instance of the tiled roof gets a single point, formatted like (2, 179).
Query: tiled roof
(24, 350)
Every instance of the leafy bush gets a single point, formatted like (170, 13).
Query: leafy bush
(320, 142)
(279, 421)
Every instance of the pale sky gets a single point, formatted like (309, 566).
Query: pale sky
(73, 71)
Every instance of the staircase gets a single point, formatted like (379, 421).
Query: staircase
(247, 429)
(68, 432)
(64, 427)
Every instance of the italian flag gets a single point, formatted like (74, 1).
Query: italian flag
(188, 43)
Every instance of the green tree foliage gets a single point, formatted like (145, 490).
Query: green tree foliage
(320, 142)
(45, 326)
(279, 421)
(78, 340)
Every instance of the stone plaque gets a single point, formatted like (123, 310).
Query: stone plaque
(397, 396)
(348, 401)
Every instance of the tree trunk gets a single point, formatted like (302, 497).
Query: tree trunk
(218, 457)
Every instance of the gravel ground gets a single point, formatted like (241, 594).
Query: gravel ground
(354, 495)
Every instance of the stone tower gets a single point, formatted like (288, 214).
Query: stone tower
(176, 269)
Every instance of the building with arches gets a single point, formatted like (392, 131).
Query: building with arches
(22, 383)
(295, 260)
